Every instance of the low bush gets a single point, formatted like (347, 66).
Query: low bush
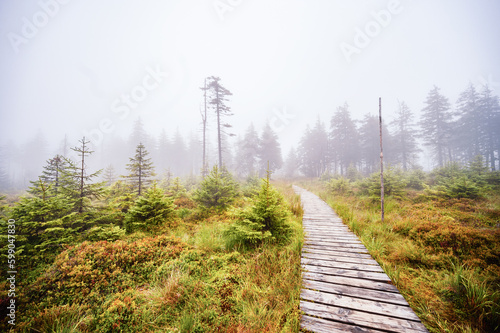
(265, 219)
(149, 210)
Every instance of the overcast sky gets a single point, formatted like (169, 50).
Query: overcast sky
(92, 67)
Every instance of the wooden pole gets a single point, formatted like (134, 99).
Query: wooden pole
(381, 160)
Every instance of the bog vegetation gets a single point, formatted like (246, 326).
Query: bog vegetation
(211, 252)
(439, 242)
(218, 256)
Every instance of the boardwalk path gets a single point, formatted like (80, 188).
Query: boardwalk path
(344, 289)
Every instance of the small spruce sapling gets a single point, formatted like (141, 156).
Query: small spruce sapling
(152, 209)
(265, 220)
(217, 191)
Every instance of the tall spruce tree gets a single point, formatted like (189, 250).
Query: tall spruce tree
(247, 153)
(52, 176)
(269, 151)
(313, 151)
(162, 155)
(404, 138)
(218, 98)
(204, 121)
(469, 127)
(436, 126)
(490, 110)
(141, 169)
(369, 132)
(344, 140)
(139, 134)
(109, 175)
(292, 164)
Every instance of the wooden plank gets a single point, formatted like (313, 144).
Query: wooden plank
(318, 235)
(385, 309)
(343, 231)
(325, 225)
(332, 243)
(331, 235)
(326, 326)
(342, 265)
(330, 232)
(350, 281)
(339, 258)
(335, 253)
(347, 273)
(361, 318)
(325, 239)
(337, 248)
(328, 235)
(356, 292)
(335, 242)
(329, 223)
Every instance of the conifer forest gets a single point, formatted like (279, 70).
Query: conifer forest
(149, 153)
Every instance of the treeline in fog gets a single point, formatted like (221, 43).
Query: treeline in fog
(174, 155)
(445, 131)
(449, 132)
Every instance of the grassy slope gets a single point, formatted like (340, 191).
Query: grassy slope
(443, 255)
(181, 279)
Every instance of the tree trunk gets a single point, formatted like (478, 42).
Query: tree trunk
(219, 139)
(140, 169)
(80, 209)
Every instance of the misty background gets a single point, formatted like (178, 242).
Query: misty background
(86, 68)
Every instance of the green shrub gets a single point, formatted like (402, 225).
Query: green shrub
(176, 189)
(108, 233)
(251, 186)
(415, 179)
(151, 209)
(120, 314)
(462, 188)
(339, 185)
(217, 191)
(394, 184)
(265, 220)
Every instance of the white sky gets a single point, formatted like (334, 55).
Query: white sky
(273, 55)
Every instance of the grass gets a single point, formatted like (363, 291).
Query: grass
(443, 255)
(185, 278)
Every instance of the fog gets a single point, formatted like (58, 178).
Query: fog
(92, 68)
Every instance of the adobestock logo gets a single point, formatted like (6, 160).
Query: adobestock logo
(223, 6)
(363, 37)
(31, 27)
(281, 119)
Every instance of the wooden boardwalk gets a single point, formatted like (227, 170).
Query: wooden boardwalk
(344, 289)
